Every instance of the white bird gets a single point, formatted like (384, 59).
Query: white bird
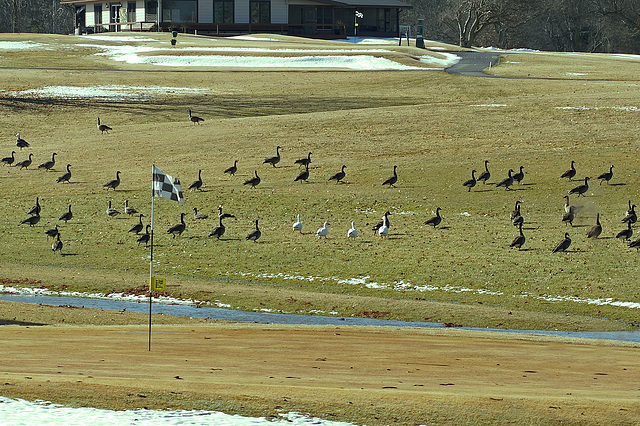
(383, 231)
(298, 225)
(322, 232)
(353, 232)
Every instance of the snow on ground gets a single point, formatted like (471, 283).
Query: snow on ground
(19, 45)
(20, 412)
(113, 93)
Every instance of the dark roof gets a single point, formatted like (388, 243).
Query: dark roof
(364, 3)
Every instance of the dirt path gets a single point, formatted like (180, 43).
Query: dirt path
(363, 375)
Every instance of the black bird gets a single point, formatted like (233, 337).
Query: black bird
(596, 230)
(21, 143)
(35, 209)
(506, 182)
(435, 221)
(516, 211)
(631, 216)
(519, 176)
(255, 234)
(224, 215)
(471, 182)
(273, 160)
(393, 179)
(303, 176)
(67, 216)
(233, 169)
(194, 119)
(103, 127)
(606, 177)
(519, 240)
(380, 224)
(569, 173)
(253, 181)
(626, 234)
(179, 228)
(48, 165)
(484, 176)
(25, 163)
(563, 245)
(304, 161)
(113, 183)
(31, 220)
(635, 244)
(568, 217)
(9, 160)
(218, 231)
(52, 232)
(581, 189)
(137, 227)
(57, 244)
(144, 238)
(197, 184)
(65, 177)
(339, 176)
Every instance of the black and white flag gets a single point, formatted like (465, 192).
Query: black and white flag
(166, 186)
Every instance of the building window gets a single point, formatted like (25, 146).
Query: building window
(97, 11)
(260, 12)
(131, 11)
(151, 13)
(180, 11)
(223, 11)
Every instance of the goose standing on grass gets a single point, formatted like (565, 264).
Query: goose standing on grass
(21, 143)
(629, 210)
(32, 220)
(65, 177)
(562, 245)
(626, 234)
(471, 182)
(606, 177)
(111, 212)
(484, 176)
(137, 227)
(224, 215)
(113, 183)
(48, 165)
(519, 176)
(179, 228)
(198, 183)
(506, 182)
(383, 231)
(567, 205)
(255, 181)
(518, 241)
(194, 119)
(596, 230)
(435, 221)
(52, 232)
(635, 244)
(297, 225)
(103, 127)
(144, 238)
(199, 216)
(233, 169)
(339, 176)
(35, 209)
(303, 176)
(218, 231)
(25, 163)
(569, 173)
(129, 210)
(385, 219)
(581, 189)
(322, 232)
(393, 179)
(253, 236)
(57, 244)
(9, 160)
(352, 232)
(273, 160)
(516, 211)
(631, 216)
(66, 216)
(304, 161)
(568, 217)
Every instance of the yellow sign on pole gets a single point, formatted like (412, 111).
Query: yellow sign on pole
(158, 284)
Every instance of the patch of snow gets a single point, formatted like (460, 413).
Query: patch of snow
(489, 105)
(619, 108)
(117, 38)
(575, 74)
(19, 45)
(448, 60)
(106, 93)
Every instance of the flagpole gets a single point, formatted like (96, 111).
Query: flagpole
(151, 261)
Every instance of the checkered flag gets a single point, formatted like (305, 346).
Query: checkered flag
(166, 186)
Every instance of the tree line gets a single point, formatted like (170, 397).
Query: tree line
(36, 16)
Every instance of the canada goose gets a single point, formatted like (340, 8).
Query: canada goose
(31, 220)
(273, 160)
(606, 177)
(144, 238)
(194, 119)
(626, 234)
(253, 181)
(67, 216)
(21, 143)
(197, 184)
(233, 169)
(567, 206)
(569, 173)
(471, 182)
(113, 183)
(563, 245)
(65, 177)
(35, 209)
(516, 216)
(519, 240)
(352, 232)
(129, 210)
(9, 160)
(297, 226)
(339, 176)
(435, 221)
(378, 225)
(48, 165)
(568, 217)
(52, 232)
(137, 227)
(630, 209)
(304, 161)
(631, 216)
(199, 216)
(596, 230)
(322, 232)
(516, 211)
(635, 244)
(519, 176)
(218, 231)
(179, 228)
(383, 231)
(103, 127)
(25, 163)
(581, 189)
(224, 215)
(111, 212)
(57, 244)
(506, 182)
(253, 236)
(393, 179)
(303, 176)
(484, 176)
